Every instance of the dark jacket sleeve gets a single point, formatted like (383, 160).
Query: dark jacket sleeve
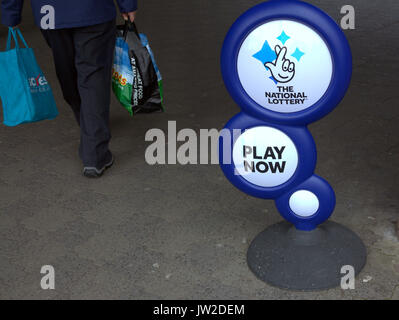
(11, 11)
(127, 5)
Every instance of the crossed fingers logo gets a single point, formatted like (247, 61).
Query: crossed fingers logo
(282, 70)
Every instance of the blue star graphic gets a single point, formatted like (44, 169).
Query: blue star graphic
(266, 54)
(298, 54)
(283, 37)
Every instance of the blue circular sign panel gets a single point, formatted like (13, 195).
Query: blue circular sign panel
(286, 62)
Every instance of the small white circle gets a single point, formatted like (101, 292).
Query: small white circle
(265, 156)
(304, 203)
(285, 66)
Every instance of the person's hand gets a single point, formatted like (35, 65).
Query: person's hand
(129, 16)
(283, 70)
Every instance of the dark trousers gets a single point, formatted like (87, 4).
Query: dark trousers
(83, 61)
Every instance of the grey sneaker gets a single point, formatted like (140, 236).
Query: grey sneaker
(93, 172)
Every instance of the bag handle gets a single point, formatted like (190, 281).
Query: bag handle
(14, 33)
(130, 26)
(11, 34)
(22, 38)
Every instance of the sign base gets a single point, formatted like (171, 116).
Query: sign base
(287, 258)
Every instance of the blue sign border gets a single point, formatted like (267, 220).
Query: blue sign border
(300, 136)
(324, 193)
(303, 13)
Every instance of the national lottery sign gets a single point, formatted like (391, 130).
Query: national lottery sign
(286, 64)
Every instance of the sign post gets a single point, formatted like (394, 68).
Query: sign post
(287, 64)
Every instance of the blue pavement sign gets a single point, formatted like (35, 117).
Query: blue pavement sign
(286, 64)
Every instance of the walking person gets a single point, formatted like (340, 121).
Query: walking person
(81, 35)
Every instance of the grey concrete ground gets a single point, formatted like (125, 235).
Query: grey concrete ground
(182, 231)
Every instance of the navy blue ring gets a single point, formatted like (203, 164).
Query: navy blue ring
(303, 13)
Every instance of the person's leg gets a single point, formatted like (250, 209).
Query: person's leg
(94, 51)
(63, 48)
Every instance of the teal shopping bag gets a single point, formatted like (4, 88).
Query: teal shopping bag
(25, 93)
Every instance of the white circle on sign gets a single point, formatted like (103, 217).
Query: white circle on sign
(285, 66)
(304, 203)
(265, 156)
